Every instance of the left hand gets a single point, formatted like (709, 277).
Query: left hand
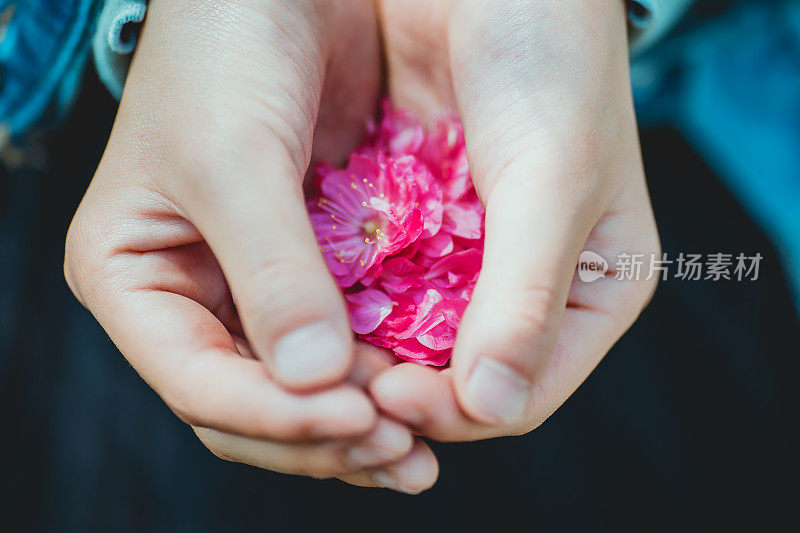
(198, 197)
(543, 91)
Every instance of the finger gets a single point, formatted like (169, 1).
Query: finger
(413, 474)
(191, 361)
(534, 235)
(426, 400)
(387, 443)
(290, 307)
(238, 147)
(539, 166)
(416, 55)
(370, 361)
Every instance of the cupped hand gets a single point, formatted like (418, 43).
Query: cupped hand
(543, 91)
(197, 204)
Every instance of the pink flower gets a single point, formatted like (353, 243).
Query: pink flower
(401, 228)
(398, 133)
(443, 149)
(457, 273)
(370, 210)
(421, 328)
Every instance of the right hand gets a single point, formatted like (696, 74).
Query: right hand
(543, 91)
(198, 197)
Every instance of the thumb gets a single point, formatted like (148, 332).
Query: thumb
(533, 101)
(534, 235)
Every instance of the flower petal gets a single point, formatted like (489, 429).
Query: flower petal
(367, 309)
(464, 220)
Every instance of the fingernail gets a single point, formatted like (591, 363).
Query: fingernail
(497, 391)
(389, 441)
(309, 354)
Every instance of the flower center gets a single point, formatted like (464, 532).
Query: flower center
(372, 231)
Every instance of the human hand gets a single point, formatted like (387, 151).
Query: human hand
(543, 91)
(199, 190)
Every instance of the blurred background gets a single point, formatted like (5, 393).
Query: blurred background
(690, 421)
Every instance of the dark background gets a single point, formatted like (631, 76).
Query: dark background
(691, 421)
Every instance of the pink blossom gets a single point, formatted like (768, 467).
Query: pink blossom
(401, 228)
(421, 327)
(456, 274)
(370, 210)
(367, 309)
(398, 133)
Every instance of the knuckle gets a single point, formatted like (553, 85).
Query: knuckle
(97, 235)
(532, 313)
(182, 403)
(186, 391)
(84, 266)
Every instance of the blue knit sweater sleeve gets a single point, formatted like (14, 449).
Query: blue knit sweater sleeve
(652, 19)
(115, 37)
(46, 44)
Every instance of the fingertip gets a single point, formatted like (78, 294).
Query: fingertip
(415, 473)
(387, 442)
(393, 393)
(343, 412)
(392, 436)
(496, 364)
(494, 392)
(427, 401)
